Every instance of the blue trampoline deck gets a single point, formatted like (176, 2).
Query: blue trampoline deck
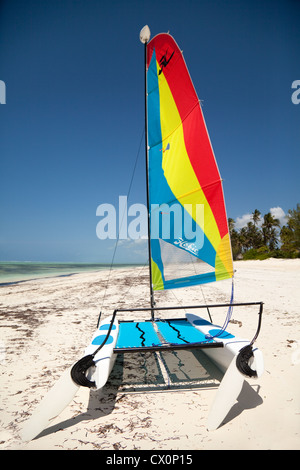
(136, 334)
(166, 334)
(180, 332)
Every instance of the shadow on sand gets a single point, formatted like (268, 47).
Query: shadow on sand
(147, 372)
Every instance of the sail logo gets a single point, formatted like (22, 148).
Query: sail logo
(181, 225)
(296, 94)
(164, 61)
(2, 92)
(178, 224)
(191, 247)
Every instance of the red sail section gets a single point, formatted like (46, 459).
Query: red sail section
(196, 136)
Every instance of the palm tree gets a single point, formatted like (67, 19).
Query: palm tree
(290, 233)
(269, 230)
(256, 217)
(231, 224)
(236, 245)
(244, 239)
(254, 235)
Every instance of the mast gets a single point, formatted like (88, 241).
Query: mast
(144, 38)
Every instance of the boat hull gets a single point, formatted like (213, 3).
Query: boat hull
(222, 357)
(104, 359)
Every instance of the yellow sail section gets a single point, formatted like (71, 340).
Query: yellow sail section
(223, 259)
(157, 281)
(182, 174)
(176, 163)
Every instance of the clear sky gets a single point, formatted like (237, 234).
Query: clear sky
(74, 115)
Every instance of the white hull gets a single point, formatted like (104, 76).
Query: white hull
(65, 389)
(226, 360)
(222, 357)
(105, 358)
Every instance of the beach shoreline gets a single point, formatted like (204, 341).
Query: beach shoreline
(13, 272)
(46, 324)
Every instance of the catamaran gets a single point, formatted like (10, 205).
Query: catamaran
(182, 178)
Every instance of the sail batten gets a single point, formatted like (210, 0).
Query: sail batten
(185, 187)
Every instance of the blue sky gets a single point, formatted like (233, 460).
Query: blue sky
(74, 115)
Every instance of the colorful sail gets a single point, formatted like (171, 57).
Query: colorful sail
(190, 242)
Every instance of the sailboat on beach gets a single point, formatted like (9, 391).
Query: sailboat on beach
(188, 243)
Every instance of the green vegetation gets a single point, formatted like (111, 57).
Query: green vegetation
(264, 237)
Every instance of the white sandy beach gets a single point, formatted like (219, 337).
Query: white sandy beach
(47, 323)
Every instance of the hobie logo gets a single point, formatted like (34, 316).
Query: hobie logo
(176, 223)
(191, 247)
(2, 92)
(164, 61)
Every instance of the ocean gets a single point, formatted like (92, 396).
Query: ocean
(13, 271)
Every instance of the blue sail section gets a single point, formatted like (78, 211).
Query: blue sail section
(195, 244)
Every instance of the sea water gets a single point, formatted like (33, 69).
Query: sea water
(13, 271)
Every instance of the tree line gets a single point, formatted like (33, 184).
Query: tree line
(263, 237)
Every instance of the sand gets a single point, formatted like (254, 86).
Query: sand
(46, 325)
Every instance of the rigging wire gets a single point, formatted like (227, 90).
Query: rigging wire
(139, 274)
(228, 315)
(229, 311)
(122, 219)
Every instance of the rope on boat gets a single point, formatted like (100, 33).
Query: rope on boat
(242, 361)
(245, 354)
(78, 371)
